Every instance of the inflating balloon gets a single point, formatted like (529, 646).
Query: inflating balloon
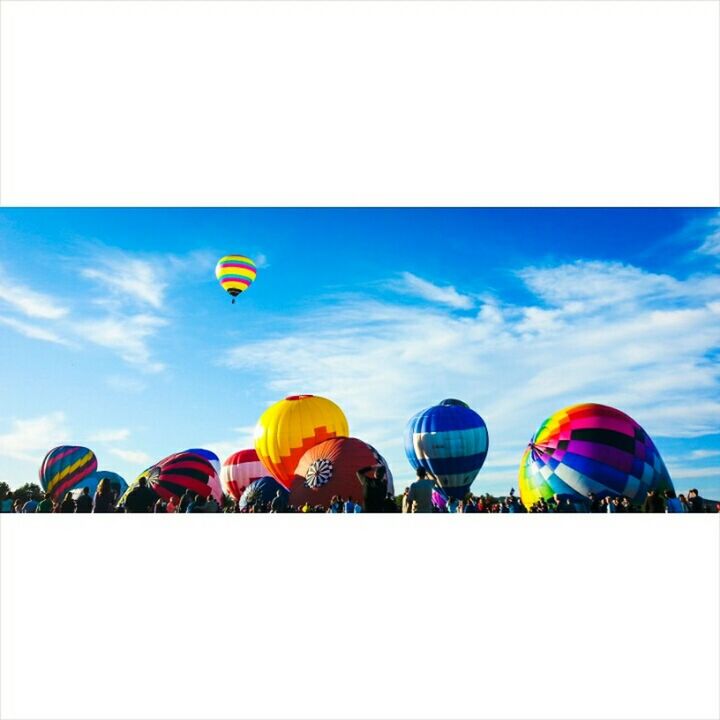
(287, 429)
(450, 441)
(235, 273)
(175, 474)
(64, 467)
(262, 491)
(590, 448)
(214, 460)
(330, 468)
(117, 483)
(239, 471)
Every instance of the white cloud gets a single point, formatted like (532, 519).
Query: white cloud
(702, 454)
(709, 230)
(224, 448)
(125, 384)
(34, 331)
(109, 436)
(417, 287)
(29, 302)
(127, 335)
(30, 440)
(136, 457)
(261, 261)
(128, 277)
(600, 332)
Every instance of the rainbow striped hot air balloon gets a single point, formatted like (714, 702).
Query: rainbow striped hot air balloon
(450, 441)
(287, 429)
(235, 273)
(590, 448)
(64, 467)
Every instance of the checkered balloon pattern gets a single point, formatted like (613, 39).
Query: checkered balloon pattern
(591, 448)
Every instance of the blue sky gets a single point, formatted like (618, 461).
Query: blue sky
(115, 334)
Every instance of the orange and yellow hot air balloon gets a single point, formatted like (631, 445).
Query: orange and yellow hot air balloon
(287, 429)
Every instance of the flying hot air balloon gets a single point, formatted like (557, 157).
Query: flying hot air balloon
(287, 429)
(239, 471)
(450, 441)
(590, 448)
(64, 467)
(235, 273)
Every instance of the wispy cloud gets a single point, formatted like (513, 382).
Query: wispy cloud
(136, 457)
(415, 286)
(110, 436)
(35, 332)
(709, 231)
(242, 440)
(597, 331)
(128, 335)
(261, 261)
(29, 302)
(29, 440)
(128, 277)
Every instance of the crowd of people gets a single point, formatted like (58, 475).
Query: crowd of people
(421, 496)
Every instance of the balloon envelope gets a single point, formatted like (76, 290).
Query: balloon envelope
(287, 429)
(450, 441)
(117, 483)
(262, 490)
(235, 273)
(330, 468)
(239, 470)
(214, 460)
(590, 448)
(64, 467)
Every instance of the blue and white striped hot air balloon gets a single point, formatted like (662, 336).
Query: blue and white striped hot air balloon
(450, 441)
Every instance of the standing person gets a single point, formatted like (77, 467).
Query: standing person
(211, 505)
(30, 506)
(672, 504)
(420, 492)
(595, 503)
(46, 505)
(159, 506)
(373, 480)
(68, 504)
(452, 505)
(172, 504)
(357, 508)
(653, 502)
(334, 505)
(470, 505)
(684, 503)
(186, 499)
(84, 502)
(103, 501)
(140, 499)
(609, 505)
(278, 503)
(349, 505)
(695, 501)
(6, 505)
(390, 505)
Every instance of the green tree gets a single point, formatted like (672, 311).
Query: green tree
(27, 491)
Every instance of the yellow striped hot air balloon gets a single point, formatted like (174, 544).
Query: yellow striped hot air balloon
(287, 429)
(235, 273)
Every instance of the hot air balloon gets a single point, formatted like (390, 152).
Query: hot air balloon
(64, 467)
(175, 474)
(439, 499)
(590, 448)
(330, 468)
(214, 460)
(287, 429)
(262, 490)
(239, 471)
(235, 273)
(450, 441)
(117, 483)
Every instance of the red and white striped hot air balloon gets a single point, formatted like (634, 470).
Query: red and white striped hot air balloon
(239, 470)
